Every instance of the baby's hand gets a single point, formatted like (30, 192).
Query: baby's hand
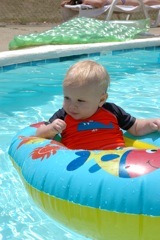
(155, 124)
(58, 125)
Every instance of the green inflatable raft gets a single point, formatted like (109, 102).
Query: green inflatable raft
(83, 31)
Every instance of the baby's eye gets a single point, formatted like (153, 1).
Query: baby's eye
(66, 98)
(80, 100)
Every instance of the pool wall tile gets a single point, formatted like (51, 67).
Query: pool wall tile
(78, 57)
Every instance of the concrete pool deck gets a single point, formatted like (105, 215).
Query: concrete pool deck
(7, 33)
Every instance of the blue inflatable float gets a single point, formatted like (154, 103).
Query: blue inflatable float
(104, 195)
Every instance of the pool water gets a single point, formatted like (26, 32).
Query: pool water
(32, 92)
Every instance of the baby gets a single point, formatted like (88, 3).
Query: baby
(86, 120)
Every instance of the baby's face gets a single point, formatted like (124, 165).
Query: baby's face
(81, 102)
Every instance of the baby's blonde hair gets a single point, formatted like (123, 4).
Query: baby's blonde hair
(87, 72)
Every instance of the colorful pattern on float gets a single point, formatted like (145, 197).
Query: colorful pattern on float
(109, 194)
(93, 31)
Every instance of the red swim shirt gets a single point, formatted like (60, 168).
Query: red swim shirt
(100, 131)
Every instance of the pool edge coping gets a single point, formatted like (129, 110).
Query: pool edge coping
(55, 51)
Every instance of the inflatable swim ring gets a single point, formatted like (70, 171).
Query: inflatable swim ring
(103, 195)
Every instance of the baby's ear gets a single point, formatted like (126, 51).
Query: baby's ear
(103, 99)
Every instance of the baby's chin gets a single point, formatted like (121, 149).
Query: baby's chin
(78, 116)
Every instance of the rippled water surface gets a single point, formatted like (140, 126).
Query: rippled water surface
(32, 93)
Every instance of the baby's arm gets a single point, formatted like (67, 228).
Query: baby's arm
(145, 126)
(49, 131)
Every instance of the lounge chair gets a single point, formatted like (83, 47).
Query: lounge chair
(115, 6)
(153, 5)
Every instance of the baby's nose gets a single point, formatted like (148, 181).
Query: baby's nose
(73, 106)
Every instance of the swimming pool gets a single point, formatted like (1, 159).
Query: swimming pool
(31, 92)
